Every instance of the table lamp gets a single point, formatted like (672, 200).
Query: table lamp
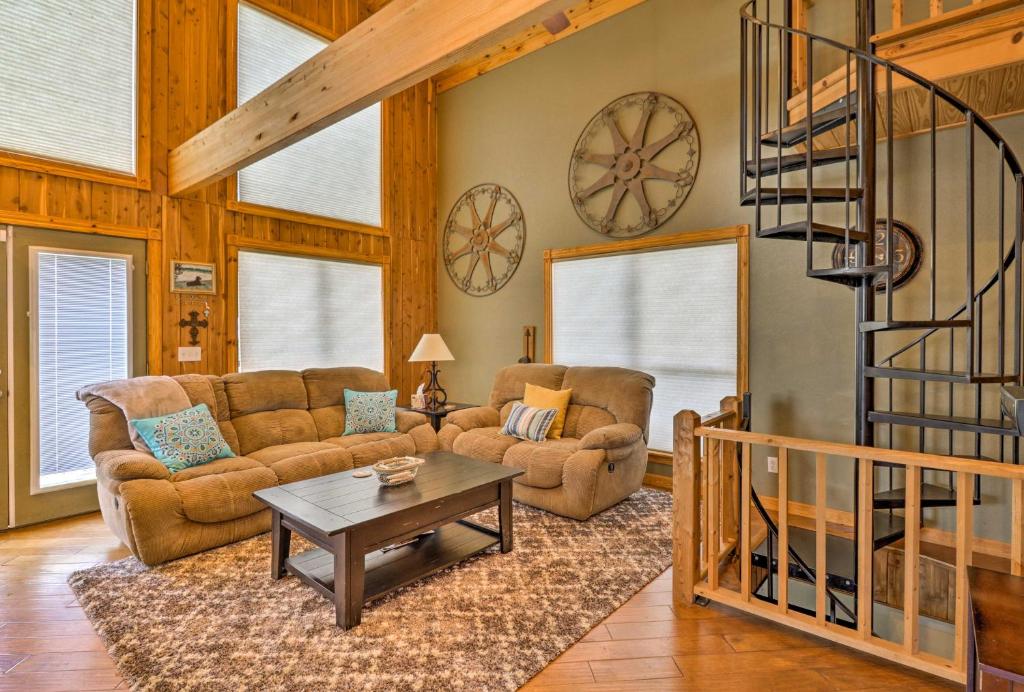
(432, 349)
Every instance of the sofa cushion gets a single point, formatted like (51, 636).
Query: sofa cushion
(209, 390)
(312, 465)
(274, 453)
(580, 419)
(369, 448)
(326, 387)
(268, 408)
(216, 467)
(486, 444)
(542, 397)
(528, 422)
(224, 496)
(183, 439)
(510, 382)
(541, 461)
(625, 394)
(368, 412)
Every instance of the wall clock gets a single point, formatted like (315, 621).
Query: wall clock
(634, 164)
(483, 239)
(906, 249)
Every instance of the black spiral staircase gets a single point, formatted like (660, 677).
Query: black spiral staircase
(964, 359)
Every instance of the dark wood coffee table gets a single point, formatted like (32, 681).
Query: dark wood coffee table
(374, 539)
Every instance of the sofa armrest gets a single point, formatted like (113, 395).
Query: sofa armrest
(478, 417)
(612, 436)
(407, 420)
(129, 464)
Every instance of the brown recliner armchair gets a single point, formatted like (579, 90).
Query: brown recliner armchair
(602, 456)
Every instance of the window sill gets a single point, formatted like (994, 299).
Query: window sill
(73, 170)
(302, 217)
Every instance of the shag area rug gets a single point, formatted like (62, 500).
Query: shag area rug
(216, 621)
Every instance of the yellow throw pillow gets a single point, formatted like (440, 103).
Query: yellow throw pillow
(542, 397)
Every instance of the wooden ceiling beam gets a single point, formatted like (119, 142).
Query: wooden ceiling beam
(404, 43)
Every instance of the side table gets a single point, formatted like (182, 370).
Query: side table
(436, 415)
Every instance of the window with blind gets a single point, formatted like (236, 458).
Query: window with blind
(67, 89)
(333, 173)
(671, 313)
(301, 312)
(81, 335)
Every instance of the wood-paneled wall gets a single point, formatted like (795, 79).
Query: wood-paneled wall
(188, 81)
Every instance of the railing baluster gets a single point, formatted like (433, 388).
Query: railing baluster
(1017, 530)
(964, 557)
(820, 535)
(713, 514)
(745, 547)
(706, 460)
(865, 547)
(809, 154)
(1001, 341)
(890, 175)
(758, 126)
(935, 8)
(783, 530)
(933, 254)
(970, 241)
(1018, 242)
(911, 551)
(897, 14)
(743, 110)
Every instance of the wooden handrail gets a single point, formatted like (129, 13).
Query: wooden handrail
(710, 473)
(938, 462)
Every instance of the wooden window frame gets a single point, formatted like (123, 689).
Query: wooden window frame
(235, 204)
(738, 234)
(142, 178)
(235, 243)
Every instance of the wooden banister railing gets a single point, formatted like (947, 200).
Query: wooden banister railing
(712, 470)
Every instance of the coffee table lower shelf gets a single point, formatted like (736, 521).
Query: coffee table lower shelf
(387, 570)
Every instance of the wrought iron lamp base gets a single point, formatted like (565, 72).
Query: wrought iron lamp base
(434, 395)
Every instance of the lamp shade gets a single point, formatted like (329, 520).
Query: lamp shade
(431, 348)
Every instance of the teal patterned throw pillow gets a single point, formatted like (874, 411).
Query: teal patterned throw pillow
(183, 439)
(368, 412)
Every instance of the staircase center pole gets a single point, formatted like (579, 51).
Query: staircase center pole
(866, 145)
(865, 302)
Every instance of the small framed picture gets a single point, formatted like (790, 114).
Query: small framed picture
(193, 277)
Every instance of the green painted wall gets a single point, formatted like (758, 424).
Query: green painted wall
(517, 126)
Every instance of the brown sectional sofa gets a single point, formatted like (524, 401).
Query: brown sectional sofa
(283, 425)
(602, 456)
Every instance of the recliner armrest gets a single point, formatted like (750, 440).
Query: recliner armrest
(612, 436)
(478, 417)
(129, 464)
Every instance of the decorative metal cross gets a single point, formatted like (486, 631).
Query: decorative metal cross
(193, 323)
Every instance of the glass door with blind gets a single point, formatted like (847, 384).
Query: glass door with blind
(78, 317)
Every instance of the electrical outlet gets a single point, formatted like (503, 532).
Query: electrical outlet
(190, 354)
(773, 464)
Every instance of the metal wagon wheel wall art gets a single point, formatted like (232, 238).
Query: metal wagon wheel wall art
(482, 251)
(634, 165)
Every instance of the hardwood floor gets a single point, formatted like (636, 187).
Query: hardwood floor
(47, 644)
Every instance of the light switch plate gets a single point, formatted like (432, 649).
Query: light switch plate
(190, 354)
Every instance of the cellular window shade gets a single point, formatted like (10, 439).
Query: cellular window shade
(333, 173)
(82, 333)
(67, 88)
(299, 312)
(670, 313)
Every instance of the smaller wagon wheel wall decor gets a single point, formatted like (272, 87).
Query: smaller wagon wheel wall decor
(634, 164)
(482, 250)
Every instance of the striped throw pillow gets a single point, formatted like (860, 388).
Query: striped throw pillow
(529, 423)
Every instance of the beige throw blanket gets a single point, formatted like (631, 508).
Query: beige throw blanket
(141, 397)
